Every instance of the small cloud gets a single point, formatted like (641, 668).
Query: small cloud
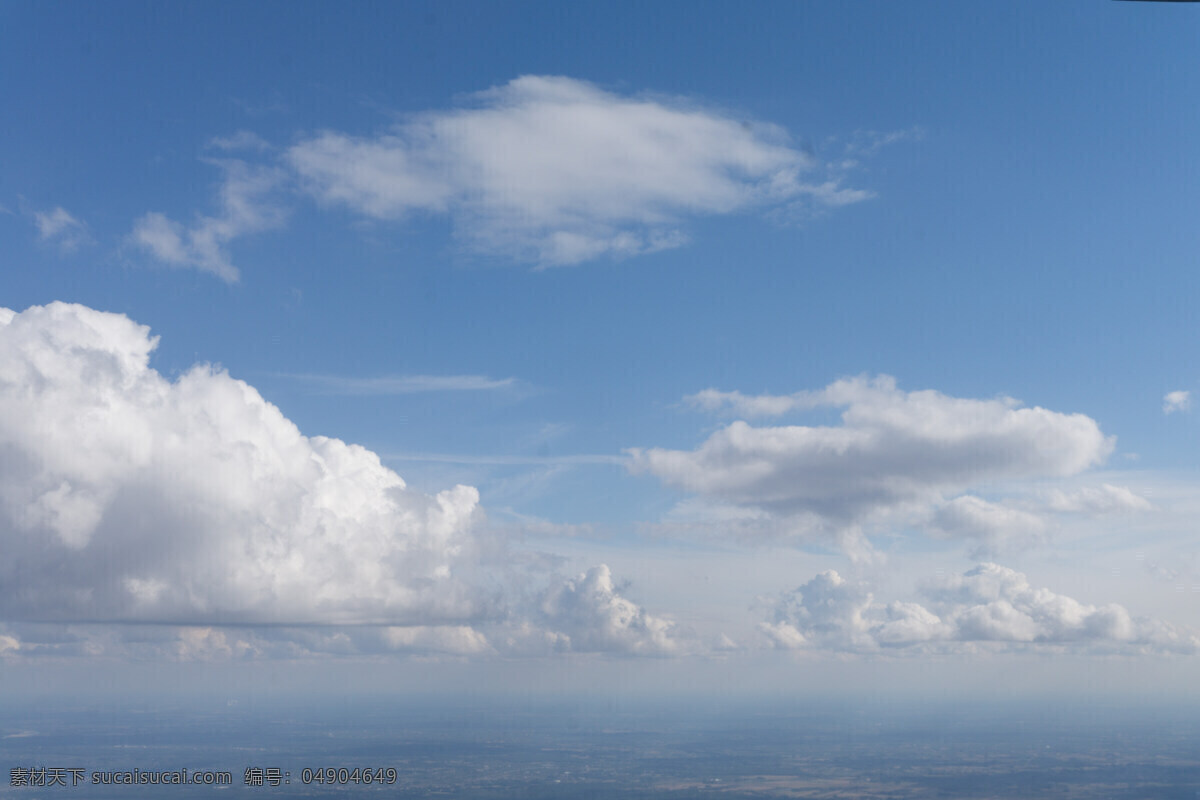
(61, 228)
(866, 144)
(1177, 401)
(589, 614)
(202, 245)
(737, 404)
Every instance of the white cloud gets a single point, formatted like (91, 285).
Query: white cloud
(61, 228)
(223, 643)
(590, 615)
(461, 640)
(995, 527)
(202, 246)
(894, 451)
(200, 500)
(196, 509)
(752, 406)
(584, 615)
(1096, 501)
(987, 604)
(1176, 401)
(558, 171)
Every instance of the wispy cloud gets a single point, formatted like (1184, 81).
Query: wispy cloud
(242, 140)
(245, 209)
(404, 384)
(1177, 401)
(558, 171)
(59, 227)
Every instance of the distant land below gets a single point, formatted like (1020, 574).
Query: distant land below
(708, 747)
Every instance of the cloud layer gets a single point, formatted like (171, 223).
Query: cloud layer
(987, 604)
(893, 451)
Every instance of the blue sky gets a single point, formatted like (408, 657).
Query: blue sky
(511, 247)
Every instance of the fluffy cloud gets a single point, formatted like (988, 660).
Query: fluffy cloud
(195, 508)
(558, 171)
(196, 500)
(1176, 401)
(590, 615)
(988, 603)
(893, 450)
(60, 227)
(202, 246)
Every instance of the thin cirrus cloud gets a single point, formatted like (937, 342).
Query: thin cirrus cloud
(59, 227)
(1097, 500)
(989, 605)
(403, 384)
(557, 171)
(129, 498)
(246, 207)
(893, 451)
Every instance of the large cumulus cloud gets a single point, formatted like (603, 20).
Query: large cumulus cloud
(128, 497)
